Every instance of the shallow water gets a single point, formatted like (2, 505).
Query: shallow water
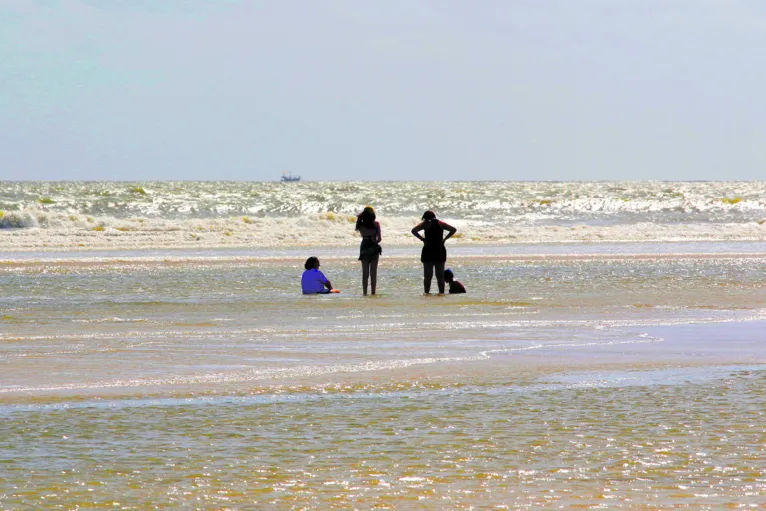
(579, 376)
(656, 446)
(172, 322)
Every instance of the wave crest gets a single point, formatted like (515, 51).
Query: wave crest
(18, 219)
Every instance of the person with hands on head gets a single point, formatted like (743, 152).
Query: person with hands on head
(434, 253)
(369, 249)
(313, 281)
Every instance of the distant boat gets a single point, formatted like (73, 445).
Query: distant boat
(289, 178)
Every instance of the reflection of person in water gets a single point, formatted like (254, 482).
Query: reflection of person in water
(369, 249)
(434, 253)
(313, 281)
(455, 286)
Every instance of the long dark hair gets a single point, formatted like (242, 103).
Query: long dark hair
(366, 218)
(429, 215)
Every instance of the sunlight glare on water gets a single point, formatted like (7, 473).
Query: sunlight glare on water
(575, 376)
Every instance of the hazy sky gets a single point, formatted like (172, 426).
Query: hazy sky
(387, 89)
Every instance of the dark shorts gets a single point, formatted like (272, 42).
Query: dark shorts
(433, 254)
(369, 250)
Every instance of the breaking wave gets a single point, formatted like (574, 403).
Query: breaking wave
(159, 214)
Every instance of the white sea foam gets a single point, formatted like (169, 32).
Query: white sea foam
(70, 215)
(315, 231)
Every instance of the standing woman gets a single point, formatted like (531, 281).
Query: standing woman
(434, 254)
(369, 249)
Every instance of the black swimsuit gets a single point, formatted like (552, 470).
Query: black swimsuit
(369, 248)
(433, 249)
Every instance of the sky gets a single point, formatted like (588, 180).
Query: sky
(383, 89)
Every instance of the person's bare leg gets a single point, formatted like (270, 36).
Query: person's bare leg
(440, 277)
(428, 274)
(373, 275)
(365, 275)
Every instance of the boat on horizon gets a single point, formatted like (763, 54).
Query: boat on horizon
(289, 178)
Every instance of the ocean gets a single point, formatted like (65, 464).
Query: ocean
(156, 352)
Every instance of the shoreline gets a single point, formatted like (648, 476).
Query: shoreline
(458, 249)
(214, 234)
(84, 260)
(669, 351)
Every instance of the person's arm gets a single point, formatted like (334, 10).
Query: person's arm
(447, 227)
(324, 280)
(416, 231)
(378, 233)
(330, 288)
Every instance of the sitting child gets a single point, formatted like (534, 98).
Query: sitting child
(454, 285)
(313, 281)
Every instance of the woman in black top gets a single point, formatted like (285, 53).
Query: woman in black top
(369, 249)
(434, 254)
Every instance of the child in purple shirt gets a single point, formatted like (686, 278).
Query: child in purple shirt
(313, 281)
